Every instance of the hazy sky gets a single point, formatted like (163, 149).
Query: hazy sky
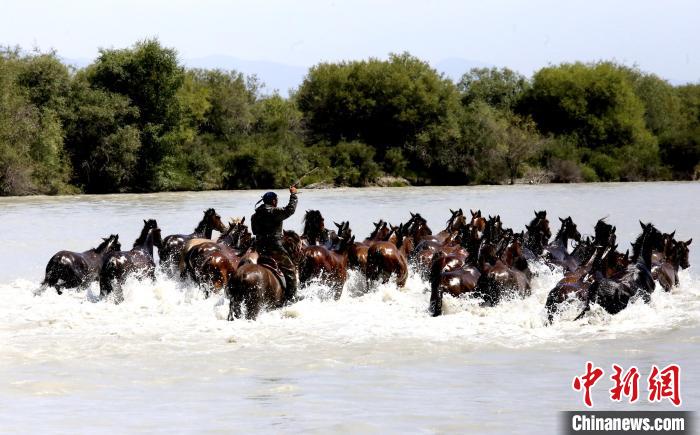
(660, 36)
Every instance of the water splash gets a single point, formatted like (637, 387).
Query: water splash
(167, 313)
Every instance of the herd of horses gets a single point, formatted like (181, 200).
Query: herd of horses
(474, 256)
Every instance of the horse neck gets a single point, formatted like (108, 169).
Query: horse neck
(204, 229)
(645, 250)
(147, 244)
(562, 238)
(533, 241)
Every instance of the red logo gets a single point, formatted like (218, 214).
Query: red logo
(665, 384)
(627, 385)
(587, 381)
(662, 384)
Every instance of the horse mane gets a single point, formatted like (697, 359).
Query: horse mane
(105, 242)
(539, 215)
(147, 226)
(313, 220)
(376, 229)
(564, 225)
(638, 242)
(202, 225)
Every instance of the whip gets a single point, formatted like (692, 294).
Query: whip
(296, 183)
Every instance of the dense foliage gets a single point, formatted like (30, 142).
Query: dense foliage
(136, 120)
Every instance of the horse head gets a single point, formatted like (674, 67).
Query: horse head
(681, 253)
(109, 244)
(568, 230)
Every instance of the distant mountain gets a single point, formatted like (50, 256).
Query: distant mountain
(276, 76)
(282, 77)
(78, 63)
(455, 68)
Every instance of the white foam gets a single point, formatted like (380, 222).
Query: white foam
(168, 312)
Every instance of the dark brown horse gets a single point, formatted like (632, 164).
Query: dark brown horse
(450, 276)
(575, 284)
(138, 261)
(385, 259)
(211, 264)
(665, 269)
(537, 235)
(68, 269)
(557, 252)
(329, 264)
(454, 224)
(315, 231)
(171, 249)
(503, 274)
(259, 285)
(357, 252)
(614, 294)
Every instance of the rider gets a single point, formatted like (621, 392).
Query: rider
(266, 224)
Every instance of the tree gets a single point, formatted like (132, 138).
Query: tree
(500, 88)
(150, 76)
(398, 103)
(596, 106)
(32, 158)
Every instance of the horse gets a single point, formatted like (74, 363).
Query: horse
(537, 235)
(68, 269)
(138, 261)
(576, 283)
(259, 284)
(665, 270)
(357, 251)
(504, 274)
(315, 232)
(557, 251)
(385, 259)
(454, 223)
(447, 275)
(211, 264)
(332, 264)
(614, 294)
(170, 250)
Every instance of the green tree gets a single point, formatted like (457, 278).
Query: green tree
(150, 76)
(32, 158)
(500, 88)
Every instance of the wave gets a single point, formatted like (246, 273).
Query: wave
(170, 315)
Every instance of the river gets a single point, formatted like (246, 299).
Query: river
(167, 360)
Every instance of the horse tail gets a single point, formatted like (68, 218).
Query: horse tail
(551, 305)
(374, 260)
(435, 275)
(592, 291)
(234, 292)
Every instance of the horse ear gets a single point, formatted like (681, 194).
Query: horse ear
(562, 220)
(613, 229)
(644, 227)
(688, 242)
(452, 212)
(673, 234)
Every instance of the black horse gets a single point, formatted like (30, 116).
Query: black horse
(67, 269)
(557, 251)
(614, 294)
(170, 250)
(138, 261)
(537, 235)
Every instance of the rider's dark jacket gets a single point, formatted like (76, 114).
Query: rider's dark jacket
(266, 223)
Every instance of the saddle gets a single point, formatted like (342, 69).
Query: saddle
(270, 264)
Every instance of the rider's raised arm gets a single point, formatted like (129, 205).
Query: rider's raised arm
(289, 209)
